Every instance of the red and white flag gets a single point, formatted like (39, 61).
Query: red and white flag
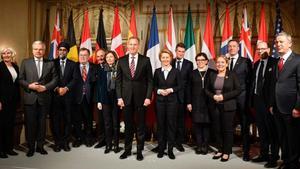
(56, 37)
(208, 46)
(116, 40)
(86, 41)
(245, 38)
(171, 37)
(262, 35)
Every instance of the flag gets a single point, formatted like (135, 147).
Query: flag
(189, 39)
(227, 32)
(116, 40)
(171, 37)
(208, 46)
(55, 40)
(71, 39)
(262, 35)
(86, 41)
(132, 32)
(278, 29)
(245, 40)
(101, 38)
(153, 43)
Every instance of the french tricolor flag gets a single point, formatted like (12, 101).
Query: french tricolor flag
(227, 33)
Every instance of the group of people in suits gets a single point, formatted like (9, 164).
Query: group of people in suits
(212, 96)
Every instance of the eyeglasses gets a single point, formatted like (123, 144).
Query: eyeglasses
(62, 49)
(201, 60)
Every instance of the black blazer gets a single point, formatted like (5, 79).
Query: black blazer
(197, 97)
(9, 90)
(173, 81)
(140, 87)
(185, 72)
(287, 89)
(70, 77)
(243, 70)
(90, 84)
(268, 81)
(28, 74)
(231, 89)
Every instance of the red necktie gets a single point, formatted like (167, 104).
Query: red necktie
(132, 67)
(280, 64)
(83, 73)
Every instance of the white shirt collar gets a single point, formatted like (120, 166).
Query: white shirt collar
(179, 60)
(38, 59)
(166, 68)
(235, 56)
(287, 55)
(135, 56)
(86, 65)
(203, 69)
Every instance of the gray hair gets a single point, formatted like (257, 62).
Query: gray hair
(38, 42)
(13, 53)
(288, 36)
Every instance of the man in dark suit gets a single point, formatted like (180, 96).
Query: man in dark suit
(242, 67)
(38, 77)
(84, 95)
(185, 67)
(262, 97)
(63, 101)
(134, 91)
(287, 99)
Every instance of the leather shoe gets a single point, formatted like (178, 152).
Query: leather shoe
(100, 144)
(30, 153)
(76, 143)
(215, 157)
(198, 150)
(180, 148)
(89, 143)
(259, 159)
(3, 155)
(139, 156)
(160, 154)
(125, 154)
(107, 149)
(116, 149)
(41, 151)
(204, 149)
(66, 147)
(271, 164)
(246, 157)
(56, 148)
(171, 155)
(12, 153)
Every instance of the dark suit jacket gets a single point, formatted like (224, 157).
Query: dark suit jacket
(231, 89)
(197, 97)
(185, 72)
(268, 81)
(90, 84)
(9, 90)
(173, 81)
(242, 69)
(287, 89)
(28, 74)
(140, 86)
(70, 77)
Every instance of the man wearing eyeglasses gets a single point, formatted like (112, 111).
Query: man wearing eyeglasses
(262, 92)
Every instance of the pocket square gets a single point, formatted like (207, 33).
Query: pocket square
(270, 69)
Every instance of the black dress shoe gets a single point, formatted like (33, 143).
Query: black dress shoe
(139, 156)
(260, 159)
(100, 144)
(215, 157)
(107, 149)
(198, 150)
(180, 148)
(246, 157)
(125, 154)
(76, 143)
(89, 143)
(155, 149)
(30, 153)
(56, 148)
(204, 149)
(12, 153)
(160, 154)
(66, 147)
(171, 155)
(41, 151)
(3, 155)
(224, 159)
(116, 149)
(271, 164)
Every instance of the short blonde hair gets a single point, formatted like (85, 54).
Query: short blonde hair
(13, 53)
(167, 51)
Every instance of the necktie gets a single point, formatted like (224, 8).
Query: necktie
(132, 67)
(280, 64)
(178, 65)
(259, 82)
(83, 73)
(62, 67)
(231, 63)
(38, 66)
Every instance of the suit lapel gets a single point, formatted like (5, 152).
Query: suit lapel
(127, 66)
(287, 62)
(34, 70)
(67, 66)
(237, 63)
(44, 68)
(138, 66)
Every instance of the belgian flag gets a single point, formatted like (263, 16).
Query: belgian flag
(71, 39)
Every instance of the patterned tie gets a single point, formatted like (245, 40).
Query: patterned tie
(280, 64)
(132, 67)
(83, 73)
